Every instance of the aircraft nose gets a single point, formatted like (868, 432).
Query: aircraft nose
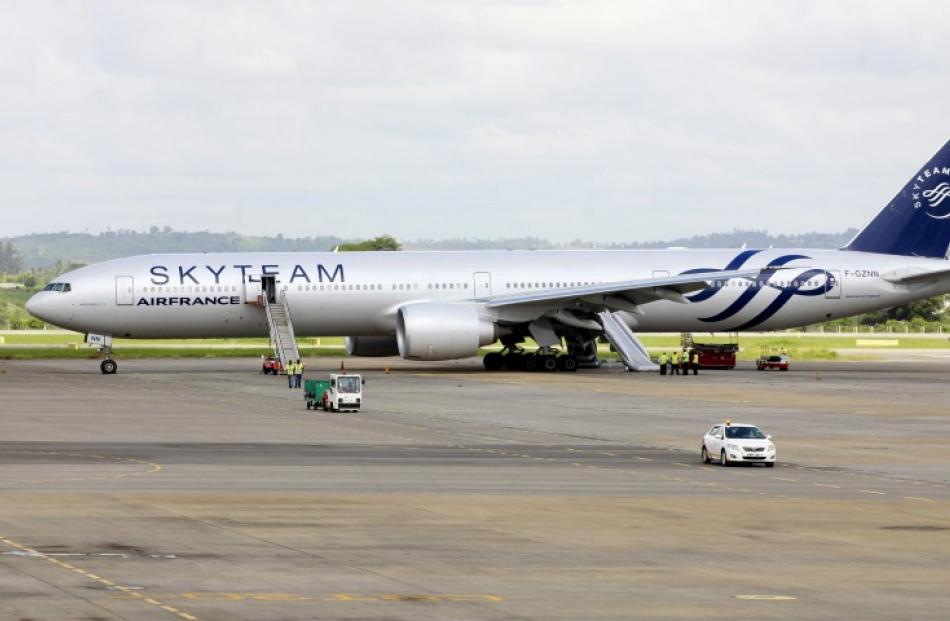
(40, 306)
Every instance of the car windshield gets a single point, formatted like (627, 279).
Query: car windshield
(753, 433)
(348, 384)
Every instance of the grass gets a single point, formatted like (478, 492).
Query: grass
(805, 347)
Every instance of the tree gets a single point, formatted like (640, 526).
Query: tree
(930, 309)
(10, 260)
(383, 242)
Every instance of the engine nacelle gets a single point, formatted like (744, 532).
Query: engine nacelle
(433, 331)
(372, 346)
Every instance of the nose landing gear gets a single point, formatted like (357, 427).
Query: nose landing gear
(109, 366)
(104, 342)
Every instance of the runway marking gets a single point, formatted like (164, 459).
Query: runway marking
(771, 598)
(401, 597)
(920, 499)
(153, 468)
(676, 463)
(55, 561)
(826, 485)
(871, 491)
(784, 479)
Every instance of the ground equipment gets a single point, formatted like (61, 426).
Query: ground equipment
(716, 355)
(772, 358)
(341, 392)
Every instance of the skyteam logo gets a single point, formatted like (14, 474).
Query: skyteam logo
(936, 196)
(797, 285)
(935, 200)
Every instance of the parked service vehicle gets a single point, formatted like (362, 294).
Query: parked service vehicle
(272, 366)
(772, 359)
(733, 443)
(342, 392)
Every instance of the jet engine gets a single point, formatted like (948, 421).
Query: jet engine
(372, 346)
(433, 331)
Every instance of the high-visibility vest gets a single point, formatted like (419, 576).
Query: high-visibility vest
(300, 368)
(291, 368)
(663, 358)
(675, 357)
(684, 357)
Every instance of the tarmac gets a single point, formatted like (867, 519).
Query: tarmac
(200, 489)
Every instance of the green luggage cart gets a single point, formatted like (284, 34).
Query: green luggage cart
(313, 391)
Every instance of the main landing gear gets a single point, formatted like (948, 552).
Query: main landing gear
(516, 359)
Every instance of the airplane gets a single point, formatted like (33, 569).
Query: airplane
(446, 305)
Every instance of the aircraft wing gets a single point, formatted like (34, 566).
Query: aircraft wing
(634, 291)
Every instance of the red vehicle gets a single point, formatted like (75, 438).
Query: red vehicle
(716, 356)
(272, 366)
(774, 361)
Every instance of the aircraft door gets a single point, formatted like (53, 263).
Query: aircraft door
(253, 291)
(269, 288)
(482, 286)
(833, 285)
(124, 290)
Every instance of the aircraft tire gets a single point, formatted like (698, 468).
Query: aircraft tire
(493, 361)
(567, 363)
(530, 363)
(108, 367)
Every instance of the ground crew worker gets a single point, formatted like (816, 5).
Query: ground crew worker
(694, 361)
(675, 363)
(663, 360)
(298, 373)
(291, 369)
(684, 362)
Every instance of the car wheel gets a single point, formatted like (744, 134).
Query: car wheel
(723, 460)
(705, 455)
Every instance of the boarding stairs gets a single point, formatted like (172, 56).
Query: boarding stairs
(282, 330)
(626, 343)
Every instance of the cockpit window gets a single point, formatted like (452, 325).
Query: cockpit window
(62, 287)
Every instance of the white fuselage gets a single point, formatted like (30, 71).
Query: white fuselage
(335, 294)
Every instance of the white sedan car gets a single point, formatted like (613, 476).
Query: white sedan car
(738, 443)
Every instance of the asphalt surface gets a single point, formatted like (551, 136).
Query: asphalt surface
(199, 489)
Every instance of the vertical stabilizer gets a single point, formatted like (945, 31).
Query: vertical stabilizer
(917, 221)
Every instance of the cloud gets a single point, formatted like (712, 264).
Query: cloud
(600, 120)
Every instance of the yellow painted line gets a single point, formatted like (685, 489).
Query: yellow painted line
(73, 568)
(920, 499)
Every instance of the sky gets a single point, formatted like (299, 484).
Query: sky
(594, 120)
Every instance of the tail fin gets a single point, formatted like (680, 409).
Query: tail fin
(917, 221)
